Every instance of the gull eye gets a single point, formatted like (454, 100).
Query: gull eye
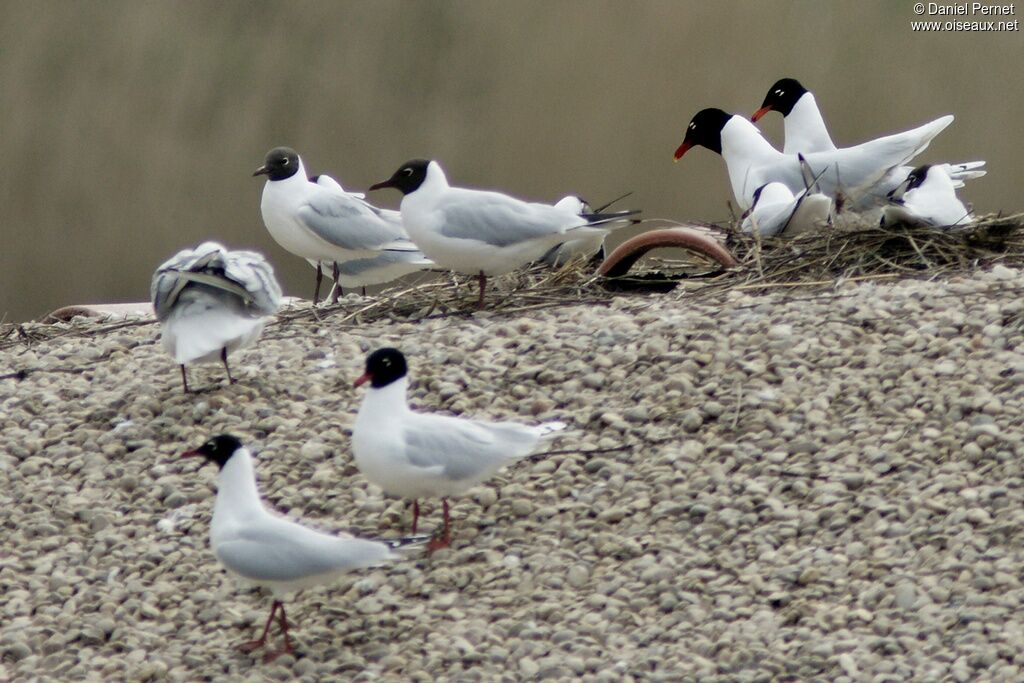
(692, 126)
(286, 161)
(778, 92)
(406, 171)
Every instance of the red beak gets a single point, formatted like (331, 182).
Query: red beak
(683, 148)
(761, 112)
(363, 378)
(381, 185)
(191, 454)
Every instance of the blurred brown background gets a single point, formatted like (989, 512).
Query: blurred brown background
(131, 129)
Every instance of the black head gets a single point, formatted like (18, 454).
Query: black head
(914, 179)
(383, 367)
(917, 177)
(218, 449)
(705, 130)
(280, 163)
(781, 97)
(408, 178)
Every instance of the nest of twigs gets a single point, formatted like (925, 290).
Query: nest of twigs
(852, 251)
(857, 250)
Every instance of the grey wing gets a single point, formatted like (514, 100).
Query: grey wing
(347, 221)
(464, 449)
(244, 274)
(253, 272)
(167, 282)
(500, 221)
(293, 552)
(356, 267)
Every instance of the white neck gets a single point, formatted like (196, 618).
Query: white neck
(237, 495)
(805, 128)
(385, 401)
(436, 179)
(742, 141)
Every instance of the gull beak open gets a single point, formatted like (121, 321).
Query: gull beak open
(760, 112)
(262, 170)
(191, 454)
(682, 149)
(363, 378)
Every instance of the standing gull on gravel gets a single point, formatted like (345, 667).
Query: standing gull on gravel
(851, 172)
(211, 301)
(389, 265)
(480, 232)
(269, 551)
(414, 455)
(321, 222)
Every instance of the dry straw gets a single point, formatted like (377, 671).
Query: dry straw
(852, 252)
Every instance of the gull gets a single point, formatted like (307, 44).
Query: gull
(321, 222)
(267, 550)
(389, 265)
(805, 132)
(776, 210)
(479, 232)
(849, 172)
(211, 301)
(927, 197)
(588, 248)
(416, 455)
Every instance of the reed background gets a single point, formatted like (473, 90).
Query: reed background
(131, 129)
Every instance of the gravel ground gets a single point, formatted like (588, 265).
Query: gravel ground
(808, 486)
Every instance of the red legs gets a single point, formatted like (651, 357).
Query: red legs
(262, 640)
(482, 279)
(336, 291)
(224, 360)
(184, 378)
(287, 649)
(364, 290)
(415, 515)
(444, 540)
(319, 279)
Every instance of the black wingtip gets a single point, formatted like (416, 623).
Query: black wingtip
(406, 541)
(598, 217)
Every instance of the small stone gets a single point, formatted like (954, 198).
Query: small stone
(578, 576)
(17, 650)
(369, 605)
(528, 667)
(691, 420)
(1001, 272)
(175, 499)
(905, 595)
(978, 516)
(487, 497)
(848, 664)
(521, 507)
(615, 514)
